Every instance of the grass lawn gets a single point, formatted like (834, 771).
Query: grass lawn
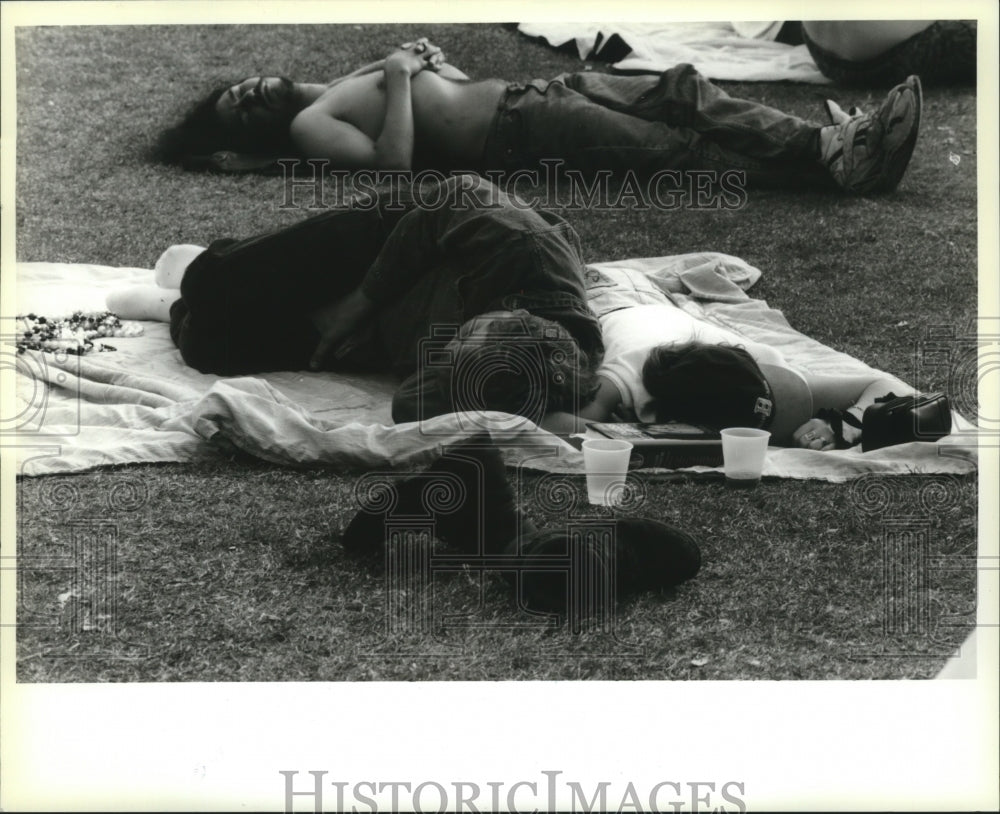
(228, 571)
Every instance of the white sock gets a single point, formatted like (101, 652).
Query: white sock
(169, 269)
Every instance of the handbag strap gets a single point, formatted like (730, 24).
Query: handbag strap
(836, 419)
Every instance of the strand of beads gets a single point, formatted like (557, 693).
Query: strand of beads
(74, 334)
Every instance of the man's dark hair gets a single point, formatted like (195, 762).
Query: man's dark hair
(524, 365)
(200, 134)
(698, 383)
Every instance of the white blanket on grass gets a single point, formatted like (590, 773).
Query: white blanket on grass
(714, 48)
(140, 403)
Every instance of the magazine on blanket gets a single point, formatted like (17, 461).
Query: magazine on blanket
(669, 445)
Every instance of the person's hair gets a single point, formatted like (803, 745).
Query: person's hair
(521, 364)
(200, 133)
(698, 383)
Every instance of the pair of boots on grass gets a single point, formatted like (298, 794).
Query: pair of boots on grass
(475, 514)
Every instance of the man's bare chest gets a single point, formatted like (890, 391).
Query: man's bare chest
(359, 101)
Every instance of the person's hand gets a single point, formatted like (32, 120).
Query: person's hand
(335, 323)
(815, 434)
(406, 59)
(435, 60)
(432, 55)
(416, 56)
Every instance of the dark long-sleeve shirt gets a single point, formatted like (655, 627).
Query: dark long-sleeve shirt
(454, 251)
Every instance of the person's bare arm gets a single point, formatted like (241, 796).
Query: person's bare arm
(852, 394)
(336, 321)
(433, 61)
(600, 409)
(433, 56)
(317, 134)
(450, 71)
(371, 67)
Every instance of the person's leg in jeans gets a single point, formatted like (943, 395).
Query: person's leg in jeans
(682, 97)
(554, 121)
(680, 121)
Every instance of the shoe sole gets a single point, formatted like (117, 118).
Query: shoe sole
(896, 162)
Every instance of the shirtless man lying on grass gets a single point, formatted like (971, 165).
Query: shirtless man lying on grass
(413, 111)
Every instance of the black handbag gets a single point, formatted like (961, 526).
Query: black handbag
(896, 419)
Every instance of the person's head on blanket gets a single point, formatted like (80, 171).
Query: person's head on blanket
(515, 362)
(723, 386)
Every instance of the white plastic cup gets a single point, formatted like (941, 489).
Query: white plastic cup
(606, 461)
(743, 451)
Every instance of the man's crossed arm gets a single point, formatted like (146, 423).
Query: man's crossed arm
(318, 134)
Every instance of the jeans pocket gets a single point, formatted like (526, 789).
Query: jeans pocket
(594, 279)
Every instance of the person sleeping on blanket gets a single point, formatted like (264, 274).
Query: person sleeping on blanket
(452, 298)
(662, 365)
(448, 287)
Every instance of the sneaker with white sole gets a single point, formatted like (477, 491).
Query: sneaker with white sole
(868, 153)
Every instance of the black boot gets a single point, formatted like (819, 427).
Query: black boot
(643, 555)
(466, 494)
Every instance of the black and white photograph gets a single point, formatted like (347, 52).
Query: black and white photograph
(406, 409)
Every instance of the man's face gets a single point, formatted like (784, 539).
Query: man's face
(256, 106)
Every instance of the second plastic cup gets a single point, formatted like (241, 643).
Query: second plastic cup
(743, 451)
(606, 460)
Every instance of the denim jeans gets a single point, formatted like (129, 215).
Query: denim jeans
(480, 251)
(460, 249)
(675, 121)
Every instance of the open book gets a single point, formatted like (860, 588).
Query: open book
(670, 446)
